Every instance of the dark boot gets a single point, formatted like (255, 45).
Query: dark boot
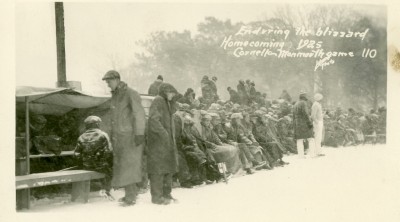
(128, 203)
(283, 162)
(130, 195)
(249, 171)
(268, 167)
(186, 184)
(161, 201)
(258, 165)
(170, 199)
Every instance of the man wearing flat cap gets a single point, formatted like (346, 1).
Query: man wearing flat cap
(302, 125)
(94, 152)
(318, 123)
(127, 136)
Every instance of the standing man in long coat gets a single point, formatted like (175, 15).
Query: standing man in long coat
(127, 136)
(234, 96)
(214, 89)
(318, 123)
(241, 89)
(162, 154)
(285, 95)
(206, 89)
(303, 127)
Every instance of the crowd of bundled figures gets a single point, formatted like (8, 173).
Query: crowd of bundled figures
(189, 141)
(341, 127)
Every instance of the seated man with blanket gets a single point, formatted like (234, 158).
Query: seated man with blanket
(267, 139)
(196, 159)
(222, 153)
(219, 136)
(285, 134)
(223, 128)
(184, 174)
(251, 149)
(193, 138)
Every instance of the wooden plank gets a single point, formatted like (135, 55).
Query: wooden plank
(51, 178)
(63, 153)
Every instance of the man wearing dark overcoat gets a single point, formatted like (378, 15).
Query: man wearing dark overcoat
(127, 136)
(162, 154)
(302, 124)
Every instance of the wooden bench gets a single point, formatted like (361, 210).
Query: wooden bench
(80, 180)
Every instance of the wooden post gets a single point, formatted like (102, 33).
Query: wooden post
(27, 135)
(60, 40)
(24, 196)
(77, 190)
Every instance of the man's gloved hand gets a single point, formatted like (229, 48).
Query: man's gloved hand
(139, 139)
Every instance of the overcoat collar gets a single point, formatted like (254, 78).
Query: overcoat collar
(120, 88)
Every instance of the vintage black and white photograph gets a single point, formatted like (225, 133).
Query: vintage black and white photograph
(172, 111)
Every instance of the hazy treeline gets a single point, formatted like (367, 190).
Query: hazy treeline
(184, 57)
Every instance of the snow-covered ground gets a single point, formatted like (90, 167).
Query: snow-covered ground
(348, 184)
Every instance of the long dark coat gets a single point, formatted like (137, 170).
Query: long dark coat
(153, 89)
(244, 96)
(234, 96)
(302, 124)
(127, 120)
(162, 154)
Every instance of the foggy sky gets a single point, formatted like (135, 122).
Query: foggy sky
(99, 33)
